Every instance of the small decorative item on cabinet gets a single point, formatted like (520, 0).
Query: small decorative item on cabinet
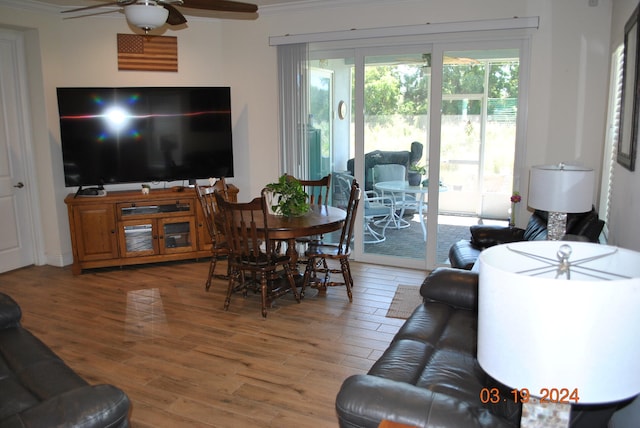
(145, 189)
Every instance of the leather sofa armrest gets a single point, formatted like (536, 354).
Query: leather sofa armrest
(96, 406)
(456, 287)
(590, 227)
(485, 236)
(579, 238)
(365, 400)
(10, 313)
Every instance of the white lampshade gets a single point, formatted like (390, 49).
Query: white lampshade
(146, 15)
(537, 331)
(561, 188)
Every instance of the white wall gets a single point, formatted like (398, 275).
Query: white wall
(83, 52)
(624, 230)
(570, 56)
(569, 63)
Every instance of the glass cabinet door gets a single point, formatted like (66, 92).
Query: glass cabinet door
(177, 234)
(152, 228)
(138, 238)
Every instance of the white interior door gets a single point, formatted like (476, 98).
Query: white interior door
(16, 235)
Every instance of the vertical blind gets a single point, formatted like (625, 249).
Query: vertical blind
(613, 132)
(294, 111)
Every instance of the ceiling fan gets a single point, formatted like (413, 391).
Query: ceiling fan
(149, 14)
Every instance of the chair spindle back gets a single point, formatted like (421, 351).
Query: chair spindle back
(352, 207)
(318, 190)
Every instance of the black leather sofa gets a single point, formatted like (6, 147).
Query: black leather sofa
(464, 253)
(429, 375)
(37, 389)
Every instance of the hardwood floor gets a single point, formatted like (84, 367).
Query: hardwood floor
(184, 362)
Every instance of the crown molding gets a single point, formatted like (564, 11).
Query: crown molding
(515, 23)
(307, 5)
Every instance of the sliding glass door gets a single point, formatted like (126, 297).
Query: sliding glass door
(478, 124)
(371, 118)
(395, 129)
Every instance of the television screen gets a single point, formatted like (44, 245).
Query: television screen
(145, 134)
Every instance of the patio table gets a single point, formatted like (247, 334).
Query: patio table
(403, 188)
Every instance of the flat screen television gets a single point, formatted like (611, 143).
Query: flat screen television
(145, 134)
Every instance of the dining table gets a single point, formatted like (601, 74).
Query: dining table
(320, 219)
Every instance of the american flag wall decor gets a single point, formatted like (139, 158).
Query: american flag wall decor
(147, 53)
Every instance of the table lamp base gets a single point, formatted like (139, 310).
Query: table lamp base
(556, 226)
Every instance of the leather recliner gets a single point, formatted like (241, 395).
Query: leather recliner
(37, 389)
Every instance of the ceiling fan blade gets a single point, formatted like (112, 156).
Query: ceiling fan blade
(111, 3)
(175, 16)
(221, 5)
(104, 12)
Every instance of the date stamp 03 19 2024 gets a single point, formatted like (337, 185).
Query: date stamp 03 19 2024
(546, 395)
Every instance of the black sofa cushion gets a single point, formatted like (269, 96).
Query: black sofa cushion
(464, 253)
(429, 375)
(38, 389)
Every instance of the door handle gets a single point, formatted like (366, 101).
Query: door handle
(20, 185)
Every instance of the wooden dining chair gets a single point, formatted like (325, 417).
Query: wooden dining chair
(214, 225)
(318, 194)
(251, 250)
(341, 251)
(318, 190)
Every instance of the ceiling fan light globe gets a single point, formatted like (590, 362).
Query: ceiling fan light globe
(146, 15)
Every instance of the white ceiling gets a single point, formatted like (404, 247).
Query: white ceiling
(264, 6)
(110, 6)
(82, 3)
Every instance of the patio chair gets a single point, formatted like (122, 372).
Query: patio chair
(389, 172)
(341, 189)
(378, 210)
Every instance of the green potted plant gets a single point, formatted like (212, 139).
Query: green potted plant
(288, 197)
(415, 173)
